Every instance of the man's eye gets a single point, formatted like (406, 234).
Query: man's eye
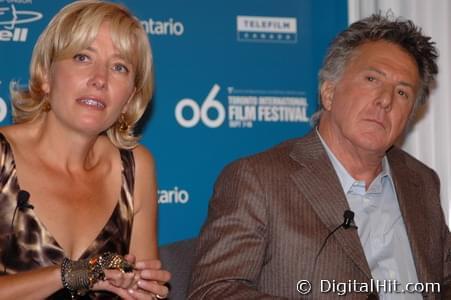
(403, 94)
(370, 78)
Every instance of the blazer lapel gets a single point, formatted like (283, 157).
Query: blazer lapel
(410, 198)
(319, 183)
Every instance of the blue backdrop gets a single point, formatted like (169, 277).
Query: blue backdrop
(232, 78)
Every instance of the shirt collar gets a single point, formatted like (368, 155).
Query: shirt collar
(347, 181)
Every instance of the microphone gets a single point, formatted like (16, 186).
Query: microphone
(348, 219)
(22, 201)
(22, 204)
(348, 222)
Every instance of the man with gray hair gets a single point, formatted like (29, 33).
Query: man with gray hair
(341, 211)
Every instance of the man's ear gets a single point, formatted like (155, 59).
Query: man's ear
(327, 94)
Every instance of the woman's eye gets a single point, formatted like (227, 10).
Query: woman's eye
(120, 68)
(370, 78)
(81, 57)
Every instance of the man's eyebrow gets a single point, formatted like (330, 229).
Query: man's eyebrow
(385, 75)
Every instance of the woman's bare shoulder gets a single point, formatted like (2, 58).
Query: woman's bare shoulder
(14, 134)
(143, 155)
(144, 165)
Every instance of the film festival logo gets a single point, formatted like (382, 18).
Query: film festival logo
(10, 18)
(201, 112)
(245, 108)
(267, 29)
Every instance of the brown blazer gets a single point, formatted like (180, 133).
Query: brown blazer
(271, 212)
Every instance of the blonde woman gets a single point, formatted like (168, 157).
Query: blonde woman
(77, 191)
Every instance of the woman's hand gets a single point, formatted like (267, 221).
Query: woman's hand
(116, 282)
(119, 282)
(151, 282)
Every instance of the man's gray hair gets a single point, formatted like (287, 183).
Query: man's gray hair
(403, 33)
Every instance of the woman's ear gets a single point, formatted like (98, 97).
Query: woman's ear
(45, 86)
(126, 105)
(327, 94)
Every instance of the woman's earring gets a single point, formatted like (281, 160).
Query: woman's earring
(45, 106)
(122, 123)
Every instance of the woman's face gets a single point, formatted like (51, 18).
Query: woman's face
(89, 90)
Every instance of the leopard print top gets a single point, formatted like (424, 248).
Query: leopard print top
(26, 244)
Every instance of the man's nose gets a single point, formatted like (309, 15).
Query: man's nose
(385, 98)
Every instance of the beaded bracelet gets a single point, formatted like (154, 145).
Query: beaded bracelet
(80, 276)
(75, 276)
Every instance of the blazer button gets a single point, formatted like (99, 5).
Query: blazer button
(372, 296)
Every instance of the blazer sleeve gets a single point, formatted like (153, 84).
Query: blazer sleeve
(231, 249)
(446, 285)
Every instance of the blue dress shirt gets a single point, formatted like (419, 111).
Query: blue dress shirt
(381, 229)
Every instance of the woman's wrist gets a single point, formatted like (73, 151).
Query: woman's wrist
(80, 276)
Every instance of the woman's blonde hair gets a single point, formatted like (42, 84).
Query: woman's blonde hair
(74, 28)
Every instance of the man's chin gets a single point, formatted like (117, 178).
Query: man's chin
(373, 143)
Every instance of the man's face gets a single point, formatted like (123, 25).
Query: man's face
(369, 106)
